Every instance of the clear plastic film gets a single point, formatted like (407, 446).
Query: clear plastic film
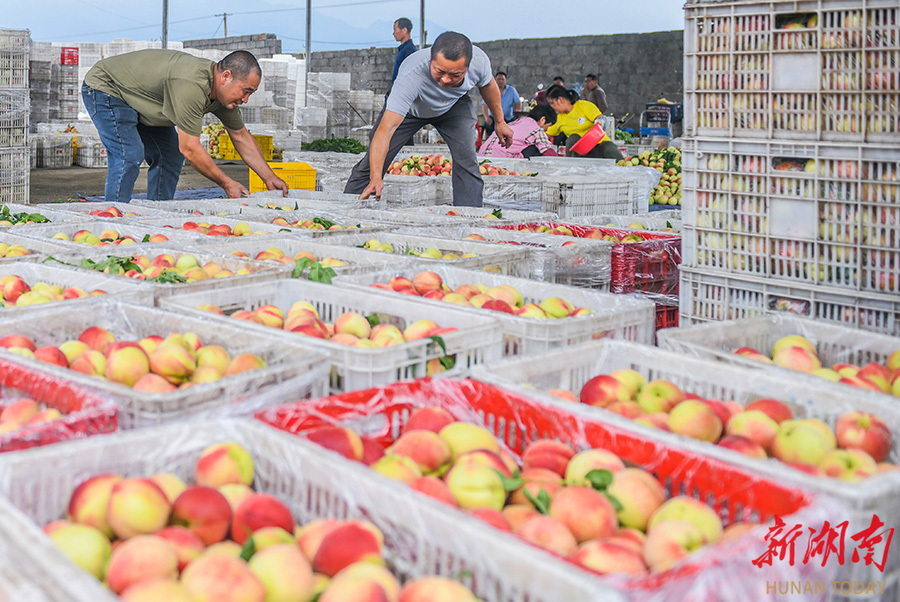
(89, 151)
(292, 369)
(54, 150)
(569, 369)
(82, 210)
(421, 536)
(443, 215)
(332, 169)
(475, 340)
(15, 175)
(653, 220)
(14, 110)
(137, 230)
(616, 316)
(48, 210)
(738, 490)
(36, 249)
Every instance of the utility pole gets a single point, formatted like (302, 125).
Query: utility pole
(308, 52)
(165, 24)
(422, 32)
(225, 21)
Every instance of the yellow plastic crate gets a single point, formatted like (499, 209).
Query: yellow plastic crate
(228, 152)
(299, 176)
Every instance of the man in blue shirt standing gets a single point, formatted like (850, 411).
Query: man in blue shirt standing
(402, 33)
(509, 99)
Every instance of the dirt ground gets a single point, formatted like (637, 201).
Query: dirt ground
(49, 185)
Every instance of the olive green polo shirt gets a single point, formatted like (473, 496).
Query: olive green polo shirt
(165, 87)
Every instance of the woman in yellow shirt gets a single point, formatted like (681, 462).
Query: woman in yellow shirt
(574, 118)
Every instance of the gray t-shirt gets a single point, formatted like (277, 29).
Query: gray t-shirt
(417, 94)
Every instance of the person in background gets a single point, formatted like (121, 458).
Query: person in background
(149, 105)
(529, 137)
(592, 92)
(403, 34)
(432, 88)
(540, 97)
(509, 99)
(574, 118)
(559, 80)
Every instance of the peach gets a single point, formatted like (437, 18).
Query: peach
(435, 589)
(346, 544)
(530, 310)
(224, 463)
(310, 535)
(490, 459)
(603, 390)
(171, 484)
(352, 323)
(468, 291)
(153, 590)
(153, 383)
(743, 445)
(399, 284)
(284, 571)
(516, 514)
(658, 420)
(456, 299)
(627, 409)
(548, 533)
(669, 542)
(204, 511)
(801, 441)
(137, 506)
(425, 282)
(397, 467)
(492, 517)
(127, 365)
(14, 288)
(586, 512)
(188, 545)
(859, 430)
(364, 573)
(247, 316)
(427, 449)
(687, 509)
(591, 459)
(220, 578)
(563, 394)
(850, 465)
(557, 307)
(338, 439)
(85, 546)
(272, 536)
(51, 355)
(639, 494)
(91, 362)
(97, 338)
(173, 362)
(90, 501)
(630, 537)
(369, 591)
(463, 437)
(43, 416)
(372, 451)
(139, 559)
(13, 341)
(20, 411)
(476, 486)
(754, 425)
(434, 488)
(536, 480)
(245, 362)
(257, 511)
(633, 380)
(794, 340)
(659, 396)
(547, 453)
(774, 409)
(608, 556)
(429, 419)
(796, 358)
(420, 329)
(150, 343)
(235, 493)
(694, 418)
(736, 530)
(72, 349)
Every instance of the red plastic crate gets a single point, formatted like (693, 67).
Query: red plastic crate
(666, 316)
(733, 491)
(639, 267)
(84, 413)
(68, 55)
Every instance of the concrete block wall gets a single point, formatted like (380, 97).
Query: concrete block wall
(262, 45)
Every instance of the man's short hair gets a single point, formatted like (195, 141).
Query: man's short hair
(503, 73)
(453, 46)
(241, 64)
(542, 110)
(560, 78)
(404, 23)
(591, 77)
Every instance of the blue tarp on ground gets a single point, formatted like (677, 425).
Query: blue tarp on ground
(195, 194)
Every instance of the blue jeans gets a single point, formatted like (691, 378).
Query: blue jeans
(128, 143)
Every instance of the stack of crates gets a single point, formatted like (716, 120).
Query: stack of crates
(791, 161)
(14, 112)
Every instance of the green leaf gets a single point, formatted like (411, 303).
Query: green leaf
(302, 264)
(285, 230)
(668, 224)
(510, 483)
(296, 206)
(52, 258)
(373, 320)
(541, 502)
(463, 574)
(248, 550)
(498, 213)
(319, 273)
(599, 479)
(146, 238)
(612, 500)
(447, 362)
(168, 278)
(322, 221)
(440, 343)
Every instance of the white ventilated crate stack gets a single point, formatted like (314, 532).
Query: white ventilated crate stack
(15, 48)
(791, 161)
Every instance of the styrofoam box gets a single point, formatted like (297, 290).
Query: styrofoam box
(292, 368)
(617, 316)
(706, 296)
(58, 275)
(128, 210)
(586, 263)
(476, 340)
(136, 230)
(836, 226)
(571, 368)
(420, 539)
(748, 75)
(261, 272)
(513, 261)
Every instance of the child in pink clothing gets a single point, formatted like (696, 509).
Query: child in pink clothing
(529, 137)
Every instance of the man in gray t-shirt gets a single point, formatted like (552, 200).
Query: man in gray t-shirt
(432, 88)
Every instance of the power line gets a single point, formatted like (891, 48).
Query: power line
(70, 36)
(283, 10)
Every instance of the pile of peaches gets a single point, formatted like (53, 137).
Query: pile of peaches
(166, 268)
(112, 212)
(503, 297)
(240, 229)
(25, 412)
(856, 449)
(276, 254)
(157, 538)
(106, 237)
(7, 251)
(796, 352)
(586, 506)
(14, 291)
(595, 234)
(312, 224)
(153, 364)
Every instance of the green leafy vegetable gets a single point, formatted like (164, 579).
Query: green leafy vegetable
(335, 145)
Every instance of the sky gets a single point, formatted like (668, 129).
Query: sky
(336, 24)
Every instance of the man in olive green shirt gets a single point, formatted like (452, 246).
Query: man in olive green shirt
(149, 105)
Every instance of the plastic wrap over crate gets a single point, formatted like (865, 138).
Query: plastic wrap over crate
(58, 275)
(655, 220)
(54, 150)
(487, 257)
(291, 368)
(136, 230)
(476, 340)
(444, 215)
(224, 207)
(736, 490)
(332, 169)
(177, 223)
(260, 273)
(419, 539)
(649, 267)
(15, 175)
(570, 369)
(35, 249)
(134, 210)
(333, 221)
(90, 152)
(47, 210)
(615, 316)
(586, 263)
(14, 110)
(413, 191)
(707, 296)
(84, 413)
(835, 344)
(316, 199)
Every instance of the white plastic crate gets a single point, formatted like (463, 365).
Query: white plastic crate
(477, 340)
(574, 197)
(412, 191)
(54, 150)
(571, 368)
(48, 210)
(130, 211)
(74, 223)
(653, 220)
(15, 174)
(488, 257)
(90, 152)
(584, 262)
(437, 216)
(36, 248)
(57, 275)
(197, 206)
(337, 215)
(820, 70)
(315, 199)
(177, 222)
(261, 272)
(14, 110)
(617, 316)
(760, 211)
(709, 296)
(420, 537)
(292, 368)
